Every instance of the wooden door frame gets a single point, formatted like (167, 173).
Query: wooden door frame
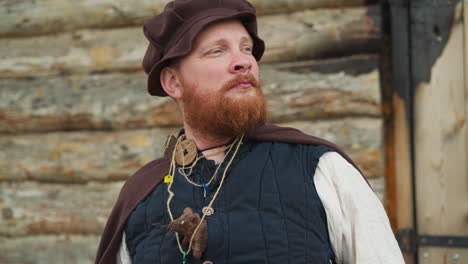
(419, 30)
(398, 132)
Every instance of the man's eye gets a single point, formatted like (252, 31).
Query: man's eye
(247, 49)
(216, 51)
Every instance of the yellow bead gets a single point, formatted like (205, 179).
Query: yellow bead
(167, 179)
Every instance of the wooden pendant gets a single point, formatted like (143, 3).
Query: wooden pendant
(186, 152)
(208, 210)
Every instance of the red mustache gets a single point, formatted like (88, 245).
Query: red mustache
(240, 79)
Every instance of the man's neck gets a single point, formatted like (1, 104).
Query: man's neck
(207, 141)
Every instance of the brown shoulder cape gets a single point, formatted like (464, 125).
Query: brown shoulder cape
(149, 176)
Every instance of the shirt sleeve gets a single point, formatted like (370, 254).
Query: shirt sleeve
(357, 222)
(123, 257)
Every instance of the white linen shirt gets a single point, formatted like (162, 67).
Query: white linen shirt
(358, 226)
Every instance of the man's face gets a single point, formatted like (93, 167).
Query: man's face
(221, 91)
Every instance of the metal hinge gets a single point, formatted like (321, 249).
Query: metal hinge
(405, 238)
(409, 241)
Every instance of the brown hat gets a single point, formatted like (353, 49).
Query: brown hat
(172, 32)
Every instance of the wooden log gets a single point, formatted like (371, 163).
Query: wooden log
(26, 18)
(354, 136)
(321, 33)
(103, 156)
(298, 36)
(31, 209)
(79, 157)
(305, 90)
(53, 249)
(298, 102)
(34, 209)
(265, 7)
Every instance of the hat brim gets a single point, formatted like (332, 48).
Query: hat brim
(183, 46)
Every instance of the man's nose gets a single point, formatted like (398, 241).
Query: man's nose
(241, 63)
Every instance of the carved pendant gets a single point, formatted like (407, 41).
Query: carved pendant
(186, 152)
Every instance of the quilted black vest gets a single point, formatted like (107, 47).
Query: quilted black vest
(268, 210)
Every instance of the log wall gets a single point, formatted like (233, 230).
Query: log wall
(76, 120)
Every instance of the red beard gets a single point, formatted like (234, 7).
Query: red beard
(221, 115)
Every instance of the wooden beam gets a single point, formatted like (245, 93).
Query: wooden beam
(78, 157)
(398, 171)
(398, 112)
(403, 170)
(398, 167)
(294, 91)
(301, 35)
(26, 18)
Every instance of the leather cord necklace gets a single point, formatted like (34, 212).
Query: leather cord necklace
(213, 177)
(207, 210)
(210, 148)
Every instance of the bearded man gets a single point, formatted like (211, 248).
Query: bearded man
(230, 189)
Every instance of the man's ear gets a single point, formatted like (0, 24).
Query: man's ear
(170, 82)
